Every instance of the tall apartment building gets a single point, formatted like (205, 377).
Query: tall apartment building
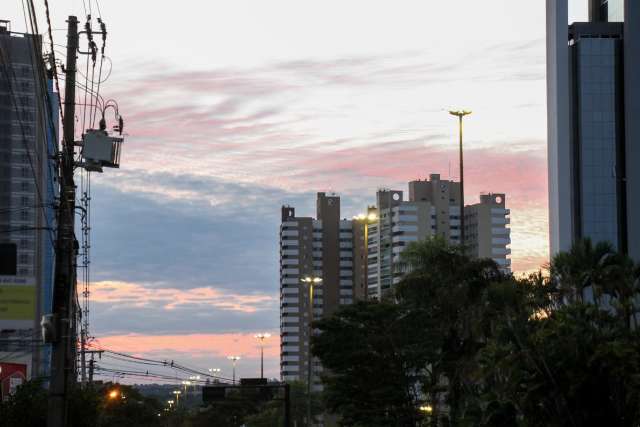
(433, 209)
(486, 231)
(321, 247)
(593, 104)
(27, 195)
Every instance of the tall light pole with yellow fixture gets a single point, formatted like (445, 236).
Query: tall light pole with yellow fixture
(370, 218)
(310, 281)
(460, 114)
(261, 337)
(234, 360)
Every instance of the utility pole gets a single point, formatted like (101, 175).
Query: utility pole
(92, 362)
(62, 370)
(91, 366)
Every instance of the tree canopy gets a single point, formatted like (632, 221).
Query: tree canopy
(459, 343)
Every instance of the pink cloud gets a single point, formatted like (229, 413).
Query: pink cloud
(194, 345)
(140, 295)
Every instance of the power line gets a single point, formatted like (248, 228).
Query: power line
(169, 364)
(53, 58)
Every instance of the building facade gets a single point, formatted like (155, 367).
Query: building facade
(28, 140)
(487, 234)
(355, 259)
(433, 209)
(321, 248)
(593, 102)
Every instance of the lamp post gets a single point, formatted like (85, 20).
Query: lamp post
(310, 281)
(234, 359)
(213, 372)
(177, 394)
(460, 115)
(261, 337)
(367, 220)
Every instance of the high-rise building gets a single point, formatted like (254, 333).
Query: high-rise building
(320, 248)
(28, 138)
(486, 232)
(433, 209)
(350, 260)
(593, 102)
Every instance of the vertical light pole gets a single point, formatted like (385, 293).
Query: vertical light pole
(234, 359)
(261, 337)
(460, 114)
(177, 393)
(214, 372)
(310, 281)
(367, 220)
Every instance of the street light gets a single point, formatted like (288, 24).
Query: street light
(426, 408)
(460, 114)
(371, 218)
(213, 372)
(177, 394)
(113, 394)
(310, 281)
(234, 359)
(262, 337)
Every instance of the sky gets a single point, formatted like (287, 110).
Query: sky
(233, 108)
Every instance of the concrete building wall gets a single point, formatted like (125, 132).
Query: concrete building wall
(486, 230)
(327, 248)
(558, 126)
(444, 196)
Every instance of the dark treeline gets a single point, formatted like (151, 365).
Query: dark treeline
(458, 343)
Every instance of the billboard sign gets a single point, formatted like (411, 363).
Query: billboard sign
(18, 301)
(12, 375)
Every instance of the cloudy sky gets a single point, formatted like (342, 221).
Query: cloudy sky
(235, 107)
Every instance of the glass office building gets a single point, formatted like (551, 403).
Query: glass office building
(593, 105)
(597, 140)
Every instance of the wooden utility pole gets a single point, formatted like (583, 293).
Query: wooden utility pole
(63, 375)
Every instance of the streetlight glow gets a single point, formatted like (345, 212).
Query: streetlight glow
(262, 337)
(234, 359)
(311, 281)
(426, 408)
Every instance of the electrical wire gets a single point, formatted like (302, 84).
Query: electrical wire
(53, 58)
(165, 363)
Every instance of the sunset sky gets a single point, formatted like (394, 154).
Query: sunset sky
(233, 108)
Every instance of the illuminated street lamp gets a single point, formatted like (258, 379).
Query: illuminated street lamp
(261, 337)
(460, 114)
(213, 372)
(427, 409)
(177, 393)
(234, 359)
(113, 394)
(310, 281)
(366, 220)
